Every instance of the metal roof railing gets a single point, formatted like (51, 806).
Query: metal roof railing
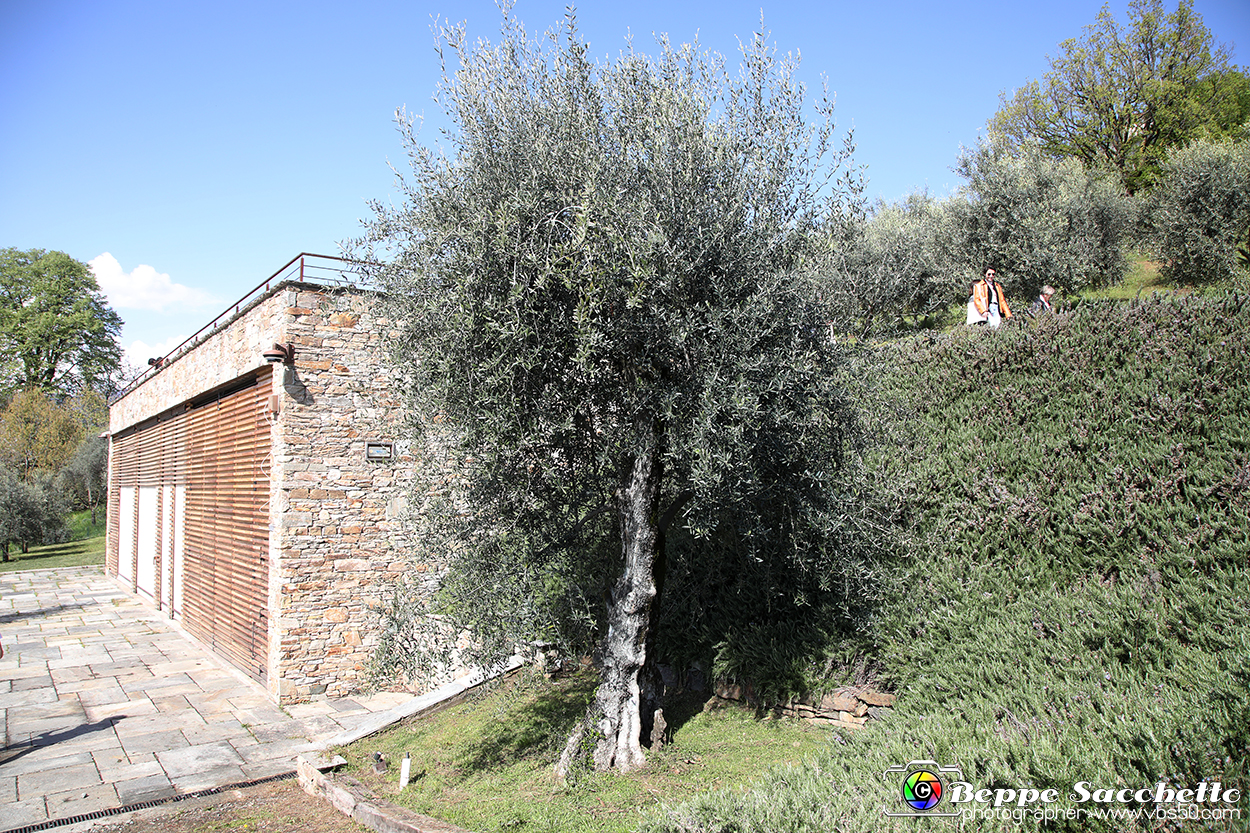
(321, 270)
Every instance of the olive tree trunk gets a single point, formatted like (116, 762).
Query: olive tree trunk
(611, 731)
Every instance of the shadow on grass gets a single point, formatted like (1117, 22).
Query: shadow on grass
(539, 726)
(56, 550)
(681, 708)
(542, 724)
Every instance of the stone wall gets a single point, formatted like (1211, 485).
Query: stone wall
(231, 351)
(340, 547)
(850, 707)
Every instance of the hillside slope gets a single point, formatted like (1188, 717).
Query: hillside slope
(1077, 605)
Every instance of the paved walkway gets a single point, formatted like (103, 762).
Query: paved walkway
(104, 704)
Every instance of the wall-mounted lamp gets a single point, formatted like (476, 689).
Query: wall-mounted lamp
(280, 353)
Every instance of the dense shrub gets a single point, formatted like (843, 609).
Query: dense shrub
(1080, 607)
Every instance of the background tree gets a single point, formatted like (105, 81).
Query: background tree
(55, 325)
(31, 512)
(1124, 97)
(38, 434)
(50, 457)
(892, 263)
(1198, 218)
(84, 475)
(1038, 220)
(602, 319)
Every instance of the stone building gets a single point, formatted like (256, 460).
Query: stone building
(256, 475)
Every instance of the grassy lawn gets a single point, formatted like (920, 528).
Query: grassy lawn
(1143, 278)
(486, 764)
(85, 547)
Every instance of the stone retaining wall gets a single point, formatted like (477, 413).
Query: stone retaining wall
(351, 798)
(849, 708)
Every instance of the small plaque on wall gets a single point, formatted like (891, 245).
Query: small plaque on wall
(378, 452)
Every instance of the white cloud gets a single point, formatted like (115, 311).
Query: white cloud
(138, 353)
(144, 288)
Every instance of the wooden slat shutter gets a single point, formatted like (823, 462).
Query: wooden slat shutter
(226, 569)
(218, 448)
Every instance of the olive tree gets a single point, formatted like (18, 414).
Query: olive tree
(85, 475)
(32, 511)
(896, 261)
(1038, 220)
(603, 322)
(1198, 217)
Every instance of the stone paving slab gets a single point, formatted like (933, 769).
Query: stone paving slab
(284, 750)
(116, 766)
(153, 742)
(233, 733)
(58, 780)
(266, 769)
(79, 800)
(103, 703)
(22, 813)
(215, 777)
(29, 697)
(146, 788)
(32, 683)
(43, 759)
(194, 759)
(131, 725)
(122, 709)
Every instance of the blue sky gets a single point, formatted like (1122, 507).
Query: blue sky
(200, 146)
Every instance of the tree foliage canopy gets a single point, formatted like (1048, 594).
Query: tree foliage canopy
(1038, 220)
(1124, 96)
(604, 319)
(57, 332)
(1198, 218)
(39, 434)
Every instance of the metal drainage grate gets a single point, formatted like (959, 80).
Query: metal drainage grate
(143, 805)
